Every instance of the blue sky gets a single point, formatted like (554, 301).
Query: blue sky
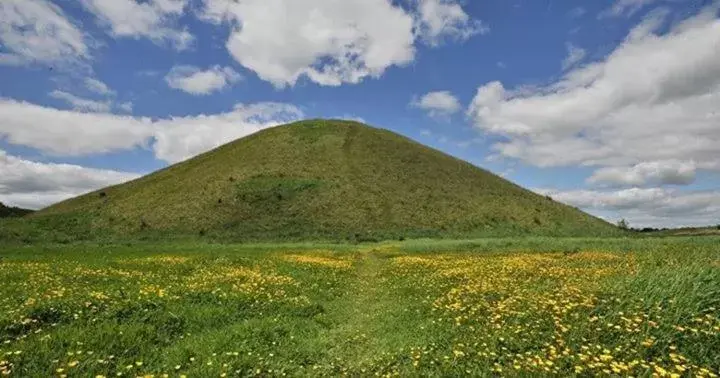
(608, 106)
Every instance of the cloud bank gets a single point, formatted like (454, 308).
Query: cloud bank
(55, 132)
(35, 185)
(651, 102)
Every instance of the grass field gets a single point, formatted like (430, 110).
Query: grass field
(536, 306)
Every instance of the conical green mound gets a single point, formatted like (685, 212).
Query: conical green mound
(322, 179)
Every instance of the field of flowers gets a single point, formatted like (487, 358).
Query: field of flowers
(646, 307)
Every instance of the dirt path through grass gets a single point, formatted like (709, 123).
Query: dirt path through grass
(359, 313)
(375, 318)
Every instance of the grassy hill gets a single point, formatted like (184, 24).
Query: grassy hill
(12, 212)
(318, 179)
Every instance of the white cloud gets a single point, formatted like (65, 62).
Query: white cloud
(178, 139)
(37, 31)
(438, 20)
(62, 132)
(438, 104)
(126, 107)
(575, 56)
(71, 133)
(11, 60)
(333, 42)
(654, 98)
(154, 19)
(657, 172)
(646, 207)
(625, 8)
(197, 82)
(35, 185)
(98, 87)
(81, 104)
(148, 73)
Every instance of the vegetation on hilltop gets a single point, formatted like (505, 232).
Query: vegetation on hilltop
(8, 212)
(313, 180)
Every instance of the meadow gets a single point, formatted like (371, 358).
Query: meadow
(510, 307)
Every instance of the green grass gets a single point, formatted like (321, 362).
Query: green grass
(533, 306)
(311, 180)
(689, 231)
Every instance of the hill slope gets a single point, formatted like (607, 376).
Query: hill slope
(321, 179)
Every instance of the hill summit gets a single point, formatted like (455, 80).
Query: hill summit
(322, 179)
